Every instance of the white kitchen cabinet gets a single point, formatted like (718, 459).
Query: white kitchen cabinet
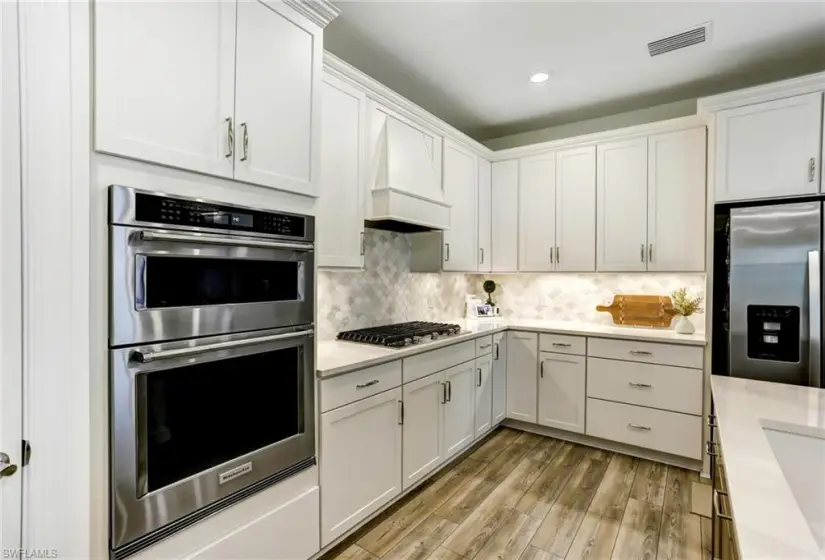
(769, 149)
(522, 375)
(621, 196)
(357, 484)
(562, 391)
(459, 425)
(340, 220)
(505, 219)
(537, 219)
(676, 201)
(423, 428)
(171, 99)
(460, 192)
(576, 209)
(485, 215)
(499, 377)
(483, 395)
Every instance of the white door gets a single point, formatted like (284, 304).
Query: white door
(11, 379)
(360, 461)
(505, 216)
(576, 209)
(676, 201)
(277, 98)
(562, 391)
(483, 395)
(499, 377)
(769, 149)
(537, 213)
(621, 201)
(522, 375)
(165, 82)
(485, 215)
(459, 410)
(340, 221)
(460, 192)
(424, 401)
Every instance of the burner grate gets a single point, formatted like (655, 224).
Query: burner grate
(400, 334)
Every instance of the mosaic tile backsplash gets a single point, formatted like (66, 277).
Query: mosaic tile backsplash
(387, 292)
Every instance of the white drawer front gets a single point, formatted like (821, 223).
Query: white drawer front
(484, 345)
(562, 344)
(666, 387)
(669, 432)
(360, 384)
(424, 364)
(650, 352)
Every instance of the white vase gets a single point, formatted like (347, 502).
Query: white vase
(684, 326)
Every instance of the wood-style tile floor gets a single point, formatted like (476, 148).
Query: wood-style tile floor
(522, 496)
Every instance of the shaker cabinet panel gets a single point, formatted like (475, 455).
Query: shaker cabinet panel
(459, 430)
(424, 400)
(576, 209)
(483, 395)
(460, 190)
(499, 377)
(505, 220)
(485, 215)
(522, 375)
(562, 391)
(537, 208)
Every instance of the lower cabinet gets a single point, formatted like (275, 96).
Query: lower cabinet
(360, 461)
(483, 395)
(499, 377)
(459, 426)
(562, 397)
(423, 427)
(522, 376)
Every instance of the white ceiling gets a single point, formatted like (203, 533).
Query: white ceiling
(469, 63)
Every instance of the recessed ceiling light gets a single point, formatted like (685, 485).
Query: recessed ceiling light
(539, 77)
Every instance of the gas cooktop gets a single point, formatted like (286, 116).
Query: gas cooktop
(401, 334)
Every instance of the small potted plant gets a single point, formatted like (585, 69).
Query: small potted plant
(685, 305)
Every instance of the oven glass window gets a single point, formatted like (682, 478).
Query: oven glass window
(189, 281)
(199, 416)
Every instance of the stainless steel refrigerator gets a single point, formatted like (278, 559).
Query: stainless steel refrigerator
(775, 292)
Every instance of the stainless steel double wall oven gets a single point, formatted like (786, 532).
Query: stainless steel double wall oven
(211, 358)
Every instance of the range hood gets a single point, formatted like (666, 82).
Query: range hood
(406, 190)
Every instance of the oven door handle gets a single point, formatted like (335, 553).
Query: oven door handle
(146, 357)
(209, 239)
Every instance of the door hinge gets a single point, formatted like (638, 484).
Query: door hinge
(27, 453)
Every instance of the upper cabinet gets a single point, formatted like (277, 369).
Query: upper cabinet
(769, 149)
(576, 210)
(485, 215)
(504, 226)
(537, 225)
(460, 191)
(227, 89)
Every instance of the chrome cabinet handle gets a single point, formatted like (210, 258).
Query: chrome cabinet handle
(481, 250)
(639, 427)
(443, 392)
(363, 244)
(562, 344)
(483, 346)
(209, 239)
(230, 134)
(551, 255)
(496, 352)
(642, 252)
(446, 252)
(522, 337)
(541, 368)
(717, 509)
(478, 383)
(558, 256)
(650, 253)
(146, 357)
(245, 142)
(400, 413)
(811, 169)
(367, 384)
(640, 385)
(6, 466)
(641, 353)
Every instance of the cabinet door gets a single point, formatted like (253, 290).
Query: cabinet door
(166, 100)
(505, 216)
(460, 191)
(483, 395)
(340, 224)
(485, 216)
(277, 98)
(576, 209)
(621, 186)
(423, 425)
(499, 377)
(769, 149)
(562, 391)
(522, 375)
(676, 201)
(357, 484)
(459, 410)
(537, 214)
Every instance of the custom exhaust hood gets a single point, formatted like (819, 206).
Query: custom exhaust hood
(406, 191)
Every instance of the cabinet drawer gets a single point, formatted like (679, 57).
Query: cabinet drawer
(360, 384)
(655, 386)
(424, 364)
(649, 352)
(484, 345)
(669, 432)
(563, 344)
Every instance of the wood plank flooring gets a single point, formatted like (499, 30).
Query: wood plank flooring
(519, 496)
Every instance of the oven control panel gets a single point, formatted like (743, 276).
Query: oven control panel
(166, 210)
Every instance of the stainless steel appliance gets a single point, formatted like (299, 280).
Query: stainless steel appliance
(211, 359)
(768, 292)
(400, 334)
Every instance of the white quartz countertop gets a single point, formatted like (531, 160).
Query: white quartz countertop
(769, 521)
(337, 357)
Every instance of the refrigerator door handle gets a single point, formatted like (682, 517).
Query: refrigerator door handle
(814, 320)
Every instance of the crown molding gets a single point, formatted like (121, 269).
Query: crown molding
(759, 94)
(319, 12)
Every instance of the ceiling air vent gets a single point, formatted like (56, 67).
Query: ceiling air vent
(687, 38)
